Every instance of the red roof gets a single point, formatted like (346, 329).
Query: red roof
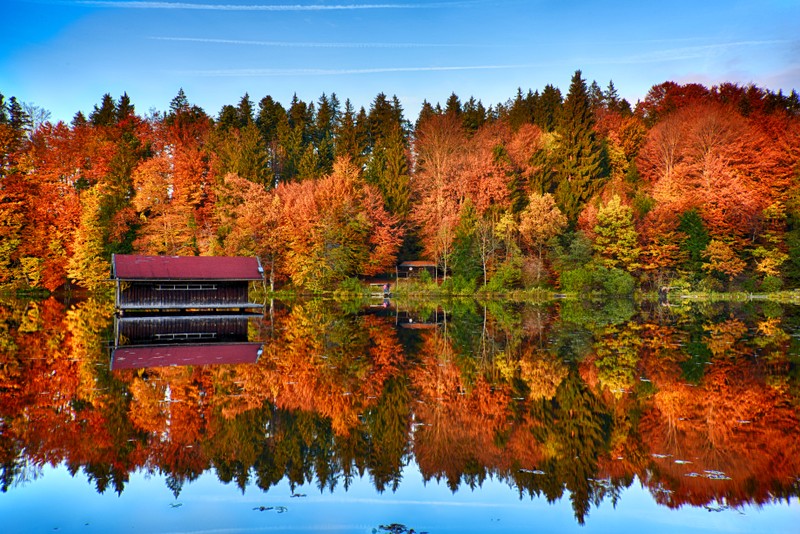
(175, 355)
(130, 267)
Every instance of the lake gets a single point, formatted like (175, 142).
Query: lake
(400, 417)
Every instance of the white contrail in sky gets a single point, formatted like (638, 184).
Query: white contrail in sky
(339, 72)
(688, 52)
(289, 44)
(262, 7)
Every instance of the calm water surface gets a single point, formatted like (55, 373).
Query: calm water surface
(454, 417)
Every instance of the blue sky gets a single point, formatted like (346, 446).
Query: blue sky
(63, 55)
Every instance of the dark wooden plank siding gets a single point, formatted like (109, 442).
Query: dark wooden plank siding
(182, 295)
(181, 329)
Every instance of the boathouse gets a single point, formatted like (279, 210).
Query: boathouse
(180, 283)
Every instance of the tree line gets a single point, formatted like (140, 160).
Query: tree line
(692, 185)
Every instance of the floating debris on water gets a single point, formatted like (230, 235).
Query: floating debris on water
(720, 508)
(716, 475)
(656, 455)
(682, 462)
(532, 471)
(279, 509)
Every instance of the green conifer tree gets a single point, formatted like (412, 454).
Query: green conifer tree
(580, 161)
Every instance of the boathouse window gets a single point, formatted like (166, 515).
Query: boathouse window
(186, 287)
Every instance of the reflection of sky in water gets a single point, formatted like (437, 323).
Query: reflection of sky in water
(59, 503)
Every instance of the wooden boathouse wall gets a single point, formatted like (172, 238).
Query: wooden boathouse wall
(158, 283)
(142, 295)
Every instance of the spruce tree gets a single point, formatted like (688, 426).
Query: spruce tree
(425, 113)
(3, 110)
(125, 108)
(270, 115)
(388, 170)
(106, 114)
(473, 115)
(580, 161)
(245, 111)
(547, 108)
(453, 105)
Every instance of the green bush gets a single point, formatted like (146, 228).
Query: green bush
(458, 285)
(614, 281)
(507, 276)
(577, 280)
(351, 286)
(598, 279)
(425, 277)
(771, 284)
(711, 284)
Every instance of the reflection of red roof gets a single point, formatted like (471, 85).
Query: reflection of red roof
(175, 355)
(419, 326)
(130, 267)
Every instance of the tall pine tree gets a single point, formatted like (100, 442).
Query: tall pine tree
(580, 161)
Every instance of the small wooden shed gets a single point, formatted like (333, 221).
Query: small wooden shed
(159, 283)
(413, 268)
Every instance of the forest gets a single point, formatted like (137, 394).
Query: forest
(693, 186)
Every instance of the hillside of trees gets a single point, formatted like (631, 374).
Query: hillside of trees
(577, 190)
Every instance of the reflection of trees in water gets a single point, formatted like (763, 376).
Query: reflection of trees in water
(575, 400)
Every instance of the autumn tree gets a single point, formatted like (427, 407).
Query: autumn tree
(617, 242)
(336, 227)
(722, 259)
(540, 221)
(439, 159)
(254, 223)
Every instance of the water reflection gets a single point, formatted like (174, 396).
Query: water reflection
(699, 403)
(142, 341)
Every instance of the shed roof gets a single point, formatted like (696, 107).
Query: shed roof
(132, 267)
(137, 357)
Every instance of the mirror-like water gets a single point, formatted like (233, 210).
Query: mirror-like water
(463, 417)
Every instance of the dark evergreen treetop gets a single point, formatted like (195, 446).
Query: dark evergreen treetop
(548, 107)
(270, 115)
(125, 109)
(106, 114)
(473, 115)
(453, 105)
(425, 113)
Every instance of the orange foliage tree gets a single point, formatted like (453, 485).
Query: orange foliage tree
(336, 227)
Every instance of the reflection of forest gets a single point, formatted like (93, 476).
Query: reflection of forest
(702, 404)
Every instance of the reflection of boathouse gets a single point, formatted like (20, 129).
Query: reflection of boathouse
(162, 341)
(417, 320)
(158, 283)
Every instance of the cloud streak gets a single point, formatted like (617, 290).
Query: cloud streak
(256, 73)
(688, 52)
(262, 7)
(289, 44)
